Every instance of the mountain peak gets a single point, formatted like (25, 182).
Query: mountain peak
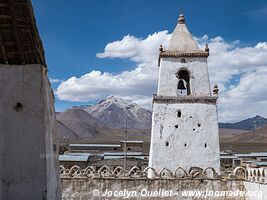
(259, 117)
(247, 124)
(114, 110)
(117, 100)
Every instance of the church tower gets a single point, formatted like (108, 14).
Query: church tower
(184, 122)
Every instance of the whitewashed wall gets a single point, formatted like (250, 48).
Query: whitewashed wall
(186, 147)
(84, 188)
(199, 83)
(254, 188)
(28, 169)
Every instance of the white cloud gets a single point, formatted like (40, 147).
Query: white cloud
(137, 84)
(246, 99)
(136, 49)
(55, 80)
(238, 99)
(96, 85)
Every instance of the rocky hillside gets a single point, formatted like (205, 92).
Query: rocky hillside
(257, 136)
(64, 133)
(247, 124)
(105, 121)
(113, 112)
(82, 124)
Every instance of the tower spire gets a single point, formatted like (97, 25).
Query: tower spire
(181, 19)
(181, 39)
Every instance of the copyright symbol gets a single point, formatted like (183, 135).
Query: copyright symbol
(95, 192)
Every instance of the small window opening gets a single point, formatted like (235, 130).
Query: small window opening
(185, 144)
(129, 149)
(205, 145)
(199, 125)
(167, 144)
(18, 107)
(183, 60)
(183, 87)
(179, 114)
(115, 148)
(176, 126)
(194, 129)
(190, 117)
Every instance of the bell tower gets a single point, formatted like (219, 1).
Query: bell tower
(184, 122)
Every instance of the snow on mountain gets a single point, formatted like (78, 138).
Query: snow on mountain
(113, 111)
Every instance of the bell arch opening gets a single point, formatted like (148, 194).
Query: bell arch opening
(183, 86)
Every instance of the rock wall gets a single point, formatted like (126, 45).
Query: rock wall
(28, 164)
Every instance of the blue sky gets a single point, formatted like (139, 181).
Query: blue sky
(73, 32)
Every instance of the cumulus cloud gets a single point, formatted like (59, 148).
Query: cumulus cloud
(137, 84)
(136, 49)
(239, 71)
(55, 80)
(246, 99)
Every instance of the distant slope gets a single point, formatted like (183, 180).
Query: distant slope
(247, 124)
(257, 136)
(227, 135)
(84, 125)
(105, 121)
(113, 111)
(64, 133)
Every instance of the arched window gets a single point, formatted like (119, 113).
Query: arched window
(183, 87)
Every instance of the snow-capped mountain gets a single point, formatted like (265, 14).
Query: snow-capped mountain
(113, 111)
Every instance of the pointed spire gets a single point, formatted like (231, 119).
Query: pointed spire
(181, 19)
(181, 39)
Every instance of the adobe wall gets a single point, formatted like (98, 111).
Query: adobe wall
(110, 183)
(27, 165)
(199, 82)
(94, 189)
(181, 141)
(117, 183)
(255, 187)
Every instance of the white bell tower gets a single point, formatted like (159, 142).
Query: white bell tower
(184, 123)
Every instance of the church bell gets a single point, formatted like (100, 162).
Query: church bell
(181, 85)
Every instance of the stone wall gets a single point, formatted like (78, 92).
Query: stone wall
(172, 189)
(118, 183)
(28, 164)
(106, 183)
